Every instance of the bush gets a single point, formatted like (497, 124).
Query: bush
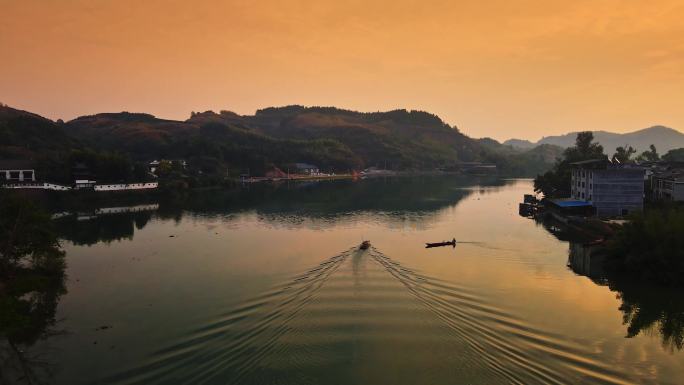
(651, 246)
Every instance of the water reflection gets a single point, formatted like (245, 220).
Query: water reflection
(396, 202)
(648, 309)
(331, 319)
(32, 281)
(645, 308)
(247, 292)
(333, 200)
(102, 228)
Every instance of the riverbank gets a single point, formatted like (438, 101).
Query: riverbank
(647, 246)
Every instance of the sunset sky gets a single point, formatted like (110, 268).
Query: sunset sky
(498, 68)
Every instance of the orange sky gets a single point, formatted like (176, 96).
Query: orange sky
(499, 68)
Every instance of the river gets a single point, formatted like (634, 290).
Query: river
(266, 285)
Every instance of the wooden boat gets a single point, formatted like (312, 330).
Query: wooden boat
(364, 245)
(451, 243)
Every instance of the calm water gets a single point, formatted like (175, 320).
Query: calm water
(266, 286)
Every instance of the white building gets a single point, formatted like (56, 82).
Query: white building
(13, 171)
(84, 183)
(613, 189)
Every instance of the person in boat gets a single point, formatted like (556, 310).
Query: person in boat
(364, 245)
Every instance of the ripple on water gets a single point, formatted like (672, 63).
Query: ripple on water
(360, 317)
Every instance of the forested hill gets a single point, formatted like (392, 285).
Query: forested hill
(225, 142)
(401, 139)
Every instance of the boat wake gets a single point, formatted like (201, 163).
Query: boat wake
(361, 317)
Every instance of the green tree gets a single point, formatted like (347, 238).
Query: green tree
(556, 182)
(651, 246)
(650, 155)
(676, 155)
(624, 155)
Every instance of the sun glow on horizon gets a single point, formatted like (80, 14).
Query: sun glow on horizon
(496, 68)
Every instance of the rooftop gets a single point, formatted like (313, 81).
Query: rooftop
(589, 162)
(670, 174)
(15, 164)
(570, 203)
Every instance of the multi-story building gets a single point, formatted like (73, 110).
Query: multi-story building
(668, 185)
(612, 189)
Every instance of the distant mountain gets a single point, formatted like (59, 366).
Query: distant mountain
(520, 143)
(664, 138)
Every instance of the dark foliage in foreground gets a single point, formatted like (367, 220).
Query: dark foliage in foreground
(31, 284)
(651, 246)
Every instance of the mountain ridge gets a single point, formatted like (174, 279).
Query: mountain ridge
(664, 138)
(227, 143)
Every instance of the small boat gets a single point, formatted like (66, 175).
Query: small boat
(451, 243)
(364, 245)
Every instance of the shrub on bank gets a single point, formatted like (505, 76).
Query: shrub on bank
(650, 246)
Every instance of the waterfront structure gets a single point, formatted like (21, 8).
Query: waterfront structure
(126, 186)
(305, 168)
(36, 185)
(613, 189)
(83, 178)
(17, 174)
(13, 171)
(561, 209)
(153, 166)
(84, 184)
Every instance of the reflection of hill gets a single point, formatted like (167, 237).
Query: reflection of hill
(645, 308)
(393, 198)
(32, 281)
(391, 201)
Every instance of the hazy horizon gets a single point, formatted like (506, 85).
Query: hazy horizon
(494, 69)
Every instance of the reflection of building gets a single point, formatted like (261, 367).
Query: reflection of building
(127, 209)
(585, 259)
(613, 189)
(16, 171)
(126, 186)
